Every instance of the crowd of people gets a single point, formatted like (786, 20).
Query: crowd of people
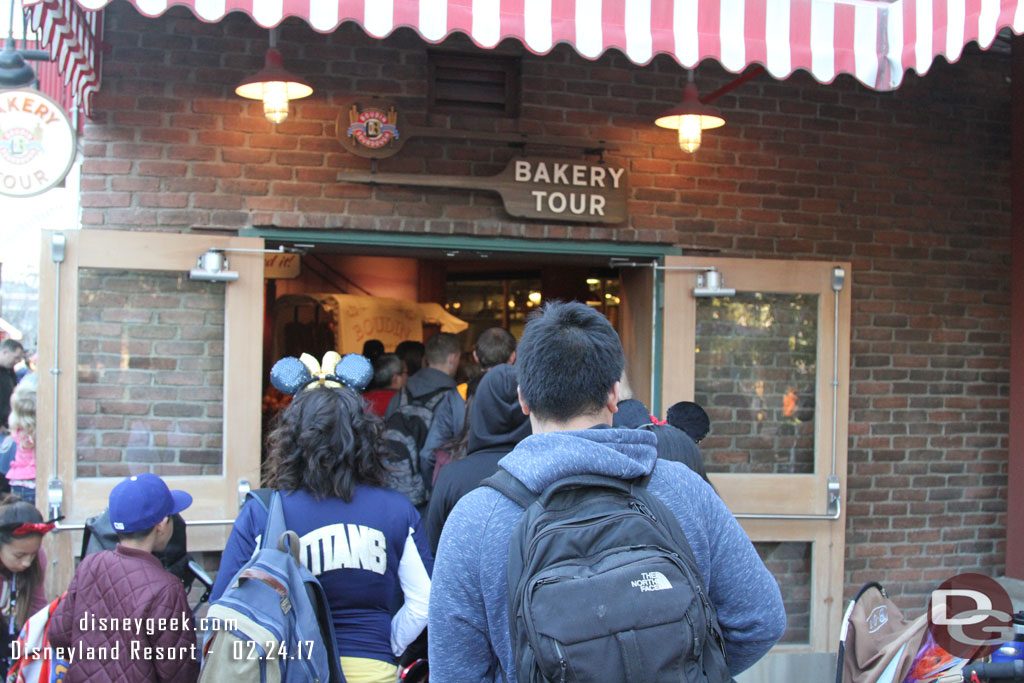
(381, 472)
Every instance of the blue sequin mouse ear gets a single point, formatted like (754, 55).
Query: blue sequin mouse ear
(290, 375)
(354, 371)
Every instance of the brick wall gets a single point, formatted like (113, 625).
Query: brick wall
(792, 562)
(912, 187)
(755, 374)
(150, 374)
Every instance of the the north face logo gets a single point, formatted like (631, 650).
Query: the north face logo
(652, 581)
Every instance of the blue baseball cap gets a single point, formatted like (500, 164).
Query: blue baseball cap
(141, 501)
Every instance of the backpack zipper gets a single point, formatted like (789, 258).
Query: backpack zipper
(561, 662)
(643, 510)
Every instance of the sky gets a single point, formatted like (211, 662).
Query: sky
(22, 220)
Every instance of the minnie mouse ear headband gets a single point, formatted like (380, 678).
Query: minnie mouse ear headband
(291, 375)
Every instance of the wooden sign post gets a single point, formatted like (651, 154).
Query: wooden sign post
(538, 188)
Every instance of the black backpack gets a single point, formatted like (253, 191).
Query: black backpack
(603, 586)
(99, 535)
(405, 432)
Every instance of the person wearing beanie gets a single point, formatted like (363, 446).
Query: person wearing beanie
(496, 425)
(124, 618)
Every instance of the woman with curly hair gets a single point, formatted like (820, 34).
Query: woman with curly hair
(360, 540)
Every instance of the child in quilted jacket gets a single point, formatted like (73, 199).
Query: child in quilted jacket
(124, 617)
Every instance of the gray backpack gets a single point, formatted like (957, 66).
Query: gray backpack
(603, 586)
(405, 432)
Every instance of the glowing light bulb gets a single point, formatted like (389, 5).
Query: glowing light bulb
(275, 101)
(689, 133)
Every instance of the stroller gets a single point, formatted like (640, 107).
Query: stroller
(99, 535)
(878, 645)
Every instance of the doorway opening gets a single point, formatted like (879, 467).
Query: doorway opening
(343, 295)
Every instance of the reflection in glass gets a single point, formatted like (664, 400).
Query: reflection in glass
(790, 564)
(150, 374)
(756, 362)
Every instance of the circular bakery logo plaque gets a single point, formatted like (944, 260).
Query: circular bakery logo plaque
(37, 143)
(369, 128)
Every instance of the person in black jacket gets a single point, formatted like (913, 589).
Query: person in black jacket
(496, 425)
(11, 352)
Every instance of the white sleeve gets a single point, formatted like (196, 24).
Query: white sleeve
(410, 620)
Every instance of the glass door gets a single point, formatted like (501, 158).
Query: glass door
(763, 347)
(146, 369)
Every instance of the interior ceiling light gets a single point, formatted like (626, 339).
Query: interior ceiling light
(274, 85)
(690, 118)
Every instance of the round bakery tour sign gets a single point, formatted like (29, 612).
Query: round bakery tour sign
(37, 143)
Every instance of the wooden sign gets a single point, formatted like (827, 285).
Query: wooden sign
(281, 266)
(538, 188)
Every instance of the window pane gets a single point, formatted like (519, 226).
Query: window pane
(790, 564)
(756, 362)
(150, 374)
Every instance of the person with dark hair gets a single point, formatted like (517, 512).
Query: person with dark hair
(11, 352)
(691, 418)
(411, 352)
(372, 348)
(496, 423)
(495, 346)
(568, 365)
(22, 568)
(389, 376)
(361, 540)
(411, 413)
(673, 443)
(117, 597)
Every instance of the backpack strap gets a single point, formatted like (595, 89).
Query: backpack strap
(510, 487)
(262, 496)
(433, 399)
(276, 525)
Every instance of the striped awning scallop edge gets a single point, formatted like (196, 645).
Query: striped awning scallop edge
(876, 41)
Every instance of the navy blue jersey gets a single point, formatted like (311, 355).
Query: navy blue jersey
(361, 552)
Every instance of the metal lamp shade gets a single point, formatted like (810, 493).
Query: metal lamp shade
(14, 71)
(273, 72)
(691, 106)
(275, 86)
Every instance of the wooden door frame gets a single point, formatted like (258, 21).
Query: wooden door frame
(783, 495)
(214, 498)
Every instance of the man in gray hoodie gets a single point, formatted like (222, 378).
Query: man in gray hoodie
(568, 366)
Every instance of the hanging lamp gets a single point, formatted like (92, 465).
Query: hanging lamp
(690, 118)
(14, 71)
(274, 85)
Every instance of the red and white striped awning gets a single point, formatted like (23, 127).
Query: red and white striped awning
(72, 35)
(876, 41)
